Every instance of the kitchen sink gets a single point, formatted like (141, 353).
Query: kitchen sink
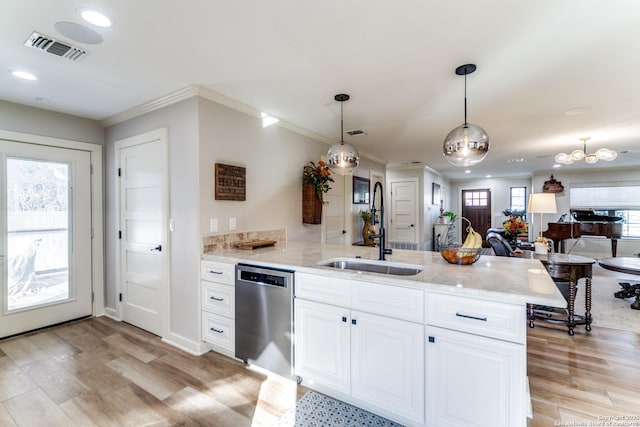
(372, 266)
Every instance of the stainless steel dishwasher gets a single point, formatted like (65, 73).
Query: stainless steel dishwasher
(264, 317)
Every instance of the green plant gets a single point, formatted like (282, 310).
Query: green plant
(319, 176)
(452, 216)
(365, 215)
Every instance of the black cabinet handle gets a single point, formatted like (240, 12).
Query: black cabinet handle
(215, 272)
(157, 248)
(216, 298)
(217, 330)
(484, 319)
(354, 322)
(344, 319)
(432, 339)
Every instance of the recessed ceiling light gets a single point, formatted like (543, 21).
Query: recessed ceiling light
(557, 166)
(519, 160)
(96, 18)
(24, 75)
(467, 171)
(488, 176)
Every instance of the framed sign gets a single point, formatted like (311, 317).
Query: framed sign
(230, 182)
(360, 190)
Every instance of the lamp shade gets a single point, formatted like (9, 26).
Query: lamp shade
(542, 203)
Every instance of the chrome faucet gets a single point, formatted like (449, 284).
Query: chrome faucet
(381, 236)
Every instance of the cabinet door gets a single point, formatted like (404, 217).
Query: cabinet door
(473, 380)
(387, 363)
(322, 345)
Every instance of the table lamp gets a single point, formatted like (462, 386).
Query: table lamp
(542, 203)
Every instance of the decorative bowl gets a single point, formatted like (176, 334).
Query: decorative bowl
(456, 254)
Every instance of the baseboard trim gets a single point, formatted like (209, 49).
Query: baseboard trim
(112, 314)
(195, 348)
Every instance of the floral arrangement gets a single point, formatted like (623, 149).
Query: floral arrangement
(515, 225)
(319, 176)
(365, 215)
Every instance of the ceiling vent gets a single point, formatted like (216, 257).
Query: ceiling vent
(49, 44)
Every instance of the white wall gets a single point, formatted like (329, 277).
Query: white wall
(500, 195)
(35, 121)
(181, 119)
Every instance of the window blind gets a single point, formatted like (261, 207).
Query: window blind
(612, 195)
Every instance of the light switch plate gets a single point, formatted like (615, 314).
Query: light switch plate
(213, 225)
(232, 224)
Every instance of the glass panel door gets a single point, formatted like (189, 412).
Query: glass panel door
(45, 236)
(38, 232)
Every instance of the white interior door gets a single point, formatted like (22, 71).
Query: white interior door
(403, 211)
(335, 228)
(143, 199)
(45, 236)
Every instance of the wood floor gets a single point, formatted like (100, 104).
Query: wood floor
(99, 372)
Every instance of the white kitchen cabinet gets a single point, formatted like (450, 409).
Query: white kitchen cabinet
(218, 305)
(475, 363)
(387, 364)
(373, 361)
(322, 345)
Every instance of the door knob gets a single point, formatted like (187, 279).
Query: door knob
(411, 226)
(157, 248)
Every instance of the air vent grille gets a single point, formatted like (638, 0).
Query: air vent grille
(49, 44)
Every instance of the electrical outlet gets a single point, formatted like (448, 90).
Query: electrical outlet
(213, 225)
(232, 224)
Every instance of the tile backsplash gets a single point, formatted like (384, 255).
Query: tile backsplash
(214, 242)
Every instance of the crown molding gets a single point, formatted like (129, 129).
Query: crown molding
(147, 107)
(219, 98)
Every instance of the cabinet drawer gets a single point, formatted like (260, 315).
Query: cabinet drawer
(219, 331)
(388, 300)
(485, 318)
(218, 272)
(331, 290)
(219, 299)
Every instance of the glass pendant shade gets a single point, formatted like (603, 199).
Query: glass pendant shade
(343, 158)
(466, 145)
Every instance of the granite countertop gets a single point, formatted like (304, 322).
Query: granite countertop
(501, 279)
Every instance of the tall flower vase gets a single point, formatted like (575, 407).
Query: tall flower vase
(311, 205)
(367, 232)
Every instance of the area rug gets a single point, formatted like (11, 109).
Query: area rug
(316, 410)
(608, 311)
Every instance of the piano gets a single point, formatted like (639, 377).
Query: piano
(587, 223)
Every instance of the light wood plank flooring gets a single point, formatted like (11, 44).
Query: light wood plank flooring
(99, 372)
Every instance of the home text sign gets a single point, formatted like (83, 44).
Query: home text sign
(230, 182)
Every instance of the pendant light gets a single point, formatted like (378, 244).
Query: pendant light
(467, 144)
(342, 158)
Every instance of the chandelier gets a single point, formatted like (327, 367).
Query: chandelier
(591, 158)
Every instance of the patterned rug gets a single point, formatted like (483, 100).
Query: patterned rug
(316, 410)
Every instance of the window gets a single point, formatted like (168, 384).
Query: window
(519, 199)
(613, 199)
(631, 218)
(476, 198)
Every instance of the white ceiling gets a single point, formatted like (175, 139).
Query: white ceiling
(536, 60)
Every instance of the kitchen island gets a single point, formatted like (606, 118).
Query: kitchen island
(444, 347)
